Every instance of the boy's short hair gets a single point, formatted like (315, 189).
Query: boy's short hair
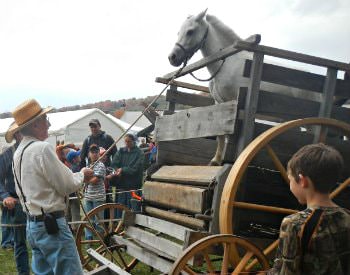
(94, 148)
(321, 163)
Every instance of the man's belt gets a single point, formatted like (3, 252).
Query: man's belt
(40, 218)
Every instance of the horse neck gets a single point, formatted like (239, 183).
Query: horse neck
(219, 37)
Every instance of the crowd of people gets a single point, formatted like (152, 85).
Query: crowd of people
(39, 185)
(37, 182)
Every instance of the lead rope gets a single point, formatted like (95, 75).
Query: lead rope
(110, 148)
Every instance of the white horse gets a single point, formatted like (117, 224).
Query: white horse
(209, 34)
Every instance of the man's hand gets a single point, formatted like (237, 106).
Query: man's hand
(9, 202)
(118, 172)
(88, 174)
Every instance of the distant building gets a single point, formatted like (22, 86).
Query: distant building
(73, 126)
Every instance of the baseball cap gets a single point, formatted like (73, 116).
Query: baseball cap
(72, 154)
(94, 121)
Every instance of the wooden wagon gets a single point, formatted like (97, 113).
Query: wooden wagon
(187, 203)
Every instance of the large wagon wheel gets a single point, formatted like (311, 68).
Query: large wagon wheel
(230, 200)
(107, 229)
(217, 258)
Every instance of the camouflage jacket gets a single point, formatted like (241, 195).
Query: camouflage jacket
(328, 252)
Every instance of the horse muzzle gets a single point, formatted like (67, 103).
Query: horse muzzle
(176, 57)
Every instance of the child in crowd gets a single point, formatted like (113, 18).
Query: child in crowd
(315, 241)
(73, 158)
(95, 193)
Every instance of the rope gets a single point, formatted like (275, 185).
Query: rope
(110, 148)
(211, 77)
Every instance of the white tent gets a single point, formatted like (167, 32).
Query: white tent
(73, 126)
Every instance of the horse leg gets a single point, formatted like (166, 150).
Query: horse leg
(217, 159)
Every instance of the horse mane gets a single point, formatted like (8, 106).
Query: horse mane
(215, 22)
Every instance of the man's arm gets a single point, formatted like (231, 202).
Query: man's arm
(83, 153)
(5, 166)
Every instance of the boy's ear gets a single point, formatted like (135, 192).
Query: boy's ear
(304, 181)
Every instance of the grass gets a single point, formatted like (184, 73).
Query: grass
(8, 265)
(7, 262)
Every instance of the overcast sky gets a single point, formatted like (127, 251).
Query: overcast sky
(69, 52)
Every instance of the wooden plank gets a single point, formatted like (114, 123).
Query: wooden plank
(180, 219)
(101, 270)
(169, 228)
(189, 99)
(197, 151)
(295, 56)
(197, 122)
(195, 175)
(284, 108)
(104, 261)
(251, 102)
(184, 85)
(326, 106)
(297, 79)
(175, 196)
(215, 206)
(159, 245)
(144, 255)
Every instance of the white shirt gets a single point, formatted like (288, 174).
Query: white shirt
(44, 179)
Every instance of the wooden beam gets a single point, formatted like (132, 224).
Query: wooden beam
(185, 174)
(305, 58)
(175, 230)
(161, 246)
(184, 85)
(180, 219)
(175, 196)
(143, 254)
(188, 99)
(104, 261)
(297, 79)
(197, 122)
(251, 102)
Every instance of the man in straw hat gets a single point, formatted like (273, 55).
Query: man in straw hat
(12, 209)
(42, 183)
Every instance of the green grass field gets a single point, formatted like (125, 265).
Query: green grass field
(8, 266)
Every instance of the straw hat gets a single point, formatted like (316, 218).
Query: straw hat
(24, 114)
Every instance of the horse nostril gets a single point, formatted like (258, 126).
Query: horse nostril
(172, 57)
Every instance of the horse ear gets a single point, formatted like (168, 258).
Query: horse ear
(201, 15)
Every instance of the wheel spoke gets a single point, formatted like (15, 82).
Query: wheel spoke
(276, 161)
(266, 251)
(111, 217)
(209, 263)
(242, 263)
(225, 259)
(340, 188)
(272, 209)
(189, 270)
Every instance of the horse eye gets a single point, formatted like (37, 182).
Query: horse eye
(189, 32)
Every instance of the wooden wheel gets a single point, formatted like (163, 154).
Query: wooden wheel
(213, 255)
(232, 200)
(106, 229)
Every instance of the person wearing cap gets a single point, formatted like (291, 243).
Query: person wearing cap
(73, 213)
(128, 163)
(42, 184)
(12, 209)
(95, 193)
(101, 139)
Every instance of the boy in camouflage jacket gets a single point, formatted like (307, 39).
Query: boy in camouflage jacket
(313, 172)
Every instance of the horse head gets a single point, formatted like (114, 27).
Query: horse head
(191, 38)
